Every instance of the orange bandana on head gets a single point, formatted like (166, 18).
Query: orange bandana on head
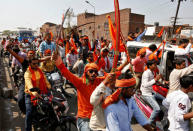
(31, 51)
(115, 96)
(125, 82)
(48, 51)
(141, 51)
(89, 66)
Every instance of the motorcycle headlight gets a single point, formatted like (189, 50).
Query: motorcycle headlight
(57, 82)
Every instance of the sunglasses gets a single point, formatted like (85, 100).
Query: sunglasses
(93, 71)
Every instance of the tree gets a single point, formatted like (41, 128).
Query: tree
(7, 32)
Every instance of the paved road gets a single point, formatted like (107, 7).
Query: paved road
(10, 117)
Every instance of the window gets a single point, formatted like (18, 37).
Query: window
(89, 27)
(106, 25)
(99, 26)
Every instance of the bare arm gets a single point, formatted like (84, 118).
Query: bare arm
(45, 58)
(19, 58)
(188, 116)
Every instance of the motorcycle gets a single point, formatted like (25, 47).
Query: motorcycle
(18, 76)
(49, 114)
(57, 82)
(161, 121)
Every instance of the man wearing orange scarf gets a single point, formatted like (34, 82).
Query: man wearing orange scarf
(119, 114)
(85, 86)
(104, 62)
(34, 78)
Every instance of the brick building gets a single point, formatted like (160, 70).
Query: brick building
(50, 27)
(130, 22)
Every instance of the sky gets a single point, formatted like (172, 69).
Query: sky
(34, 13)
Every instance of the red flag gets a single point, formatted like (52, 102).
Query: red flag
(161, 32)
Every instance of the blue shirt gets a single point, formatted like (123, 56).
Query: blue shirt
(44, 46)
(118, 116)
(140, 36)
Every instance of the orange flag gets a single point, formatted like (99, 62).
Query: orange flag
(67, 48)
(113, 35)
(111, 29)
(73, 45)
(161, 32)
(160, 54)
(178, 30)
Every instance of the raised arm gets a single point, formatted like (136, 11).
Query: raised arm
(19, 58)
(100, 93)
(76, 81)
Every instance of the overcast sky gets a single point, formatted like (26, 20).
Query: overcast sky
(34, 13)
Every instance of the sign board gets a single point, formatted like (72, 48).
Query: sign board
(150, 31)
(187, 33)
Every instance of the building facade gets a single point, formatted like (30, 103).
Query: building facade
(96, 26)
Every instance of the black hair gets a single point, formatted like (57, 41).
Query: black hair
(186, 41)
(105, 50)
(152, 47)
(183, 41)
(90, 53)
(179, 61)
(150, 62)
(186, 81)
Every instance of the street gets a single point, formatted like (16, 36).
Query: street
(11, 118)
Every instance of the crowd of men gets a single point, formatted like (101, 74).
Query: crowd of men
(105, 99)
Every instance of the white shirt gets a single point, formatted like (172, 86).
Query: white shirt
(148, 53)
(62, 51)
(110, 63)
(175, 76)
(181, 51)
(147, 82)
(71, 59)
(178, 104)
(79, 67)
(123, 57)
(97, 120)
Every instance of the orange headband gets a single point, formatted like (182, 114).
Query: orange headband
(31, 51)
(85, 38)
(142, 50)
(125, 82)
(91, 66)
(48, 51)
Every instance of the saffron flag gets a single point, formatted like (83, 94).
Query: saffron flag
(113, 36)
(178, 30)
(161, 32)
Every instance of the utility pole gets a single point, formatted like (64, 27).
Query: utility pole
(177, 10)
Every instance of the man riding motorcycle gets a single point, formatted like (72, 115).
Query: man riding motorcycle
(34, 78)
